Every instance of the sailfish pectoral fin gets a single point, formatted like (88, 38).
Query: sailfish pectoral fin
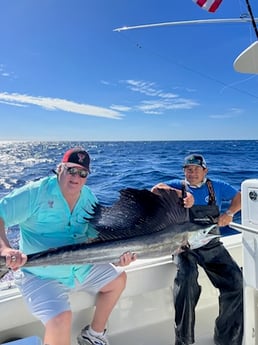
(176, 213)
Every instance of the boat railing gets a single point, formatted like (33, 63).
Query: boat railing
(241, 228)
(250, 274)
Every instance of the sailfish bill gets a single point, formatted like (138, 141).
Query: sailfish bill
(148, 224)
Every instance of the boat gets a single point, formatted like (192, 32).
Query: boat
(144, 314)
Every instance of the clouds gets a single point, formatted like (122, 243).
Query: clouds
(157, 101)
(147, 99)
(58, 104)
(4, 73)
(231, 113)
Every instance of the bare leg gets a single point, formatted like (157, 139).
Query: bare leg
(58, 330)
(106, 300)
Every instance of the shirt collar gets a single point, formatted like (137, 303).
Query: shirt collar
(197, 185)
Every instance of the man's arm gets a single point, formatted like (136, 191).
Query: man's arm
(14, 257)
(4, 243)
(234, 207)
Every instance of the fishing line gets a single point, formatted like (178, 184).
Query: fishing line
(185, 67)
(238, 82)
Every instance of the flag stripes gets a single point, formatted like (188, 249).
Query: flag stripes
(208, 5)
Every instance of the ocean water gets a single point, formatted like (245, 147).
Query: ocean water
(118, 165)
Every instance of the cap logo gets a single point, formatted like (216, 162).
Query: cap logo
(81, 157)
(77, 156)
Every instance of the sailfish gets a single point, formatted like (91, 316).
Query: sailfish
(140, 221)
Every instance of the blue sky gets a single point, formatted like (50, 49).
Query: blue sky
(66, 75)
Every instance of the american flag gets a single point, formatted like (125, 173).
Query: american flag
(208, 5)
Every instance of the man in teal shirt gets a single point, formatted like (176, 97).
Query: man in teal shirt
(51, 213)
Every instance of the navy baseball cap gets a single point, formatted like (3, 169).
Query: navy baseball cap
(78, 156)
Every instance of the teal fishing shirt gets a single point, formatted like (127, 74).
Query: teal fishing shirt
(45, 221)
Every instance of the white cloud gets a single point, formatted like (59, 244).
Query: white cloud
(160, 106)
(142, 87)
(148, 88)
(120, 107)
(155, 101)
(233, 112)
(4, 73)
(104, 82)
(13, 104)
(164, 101)
(59, 104)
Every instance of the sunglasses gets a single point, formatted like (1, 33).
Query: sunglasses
(75, 171)
(194, 161)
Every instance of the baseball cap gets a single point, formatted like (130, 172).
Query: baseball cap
(78, 156)
(195, 159)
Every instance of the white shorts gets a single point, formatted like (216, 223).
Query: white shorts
(47, 298)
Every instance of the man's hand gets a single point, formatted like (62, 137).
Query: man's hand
(188, 200)
(14, 258)
(224, 219)
(126, 258)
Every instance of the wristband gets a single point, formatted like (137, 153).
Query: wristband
(229, 213)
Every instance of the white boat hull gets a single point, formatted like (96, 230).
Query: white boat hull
(144, 314)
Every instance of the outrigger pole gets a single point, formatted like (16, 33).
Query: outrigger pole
(246, 62)
(197, 21)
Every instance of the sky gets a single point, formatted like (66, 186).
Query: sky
(65, 74)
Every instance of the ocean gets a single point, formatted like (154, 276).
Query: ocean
(118, 165)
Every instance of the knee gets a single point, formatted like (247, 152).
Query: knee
(121, 281)
(237, 287)
(117, 285)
